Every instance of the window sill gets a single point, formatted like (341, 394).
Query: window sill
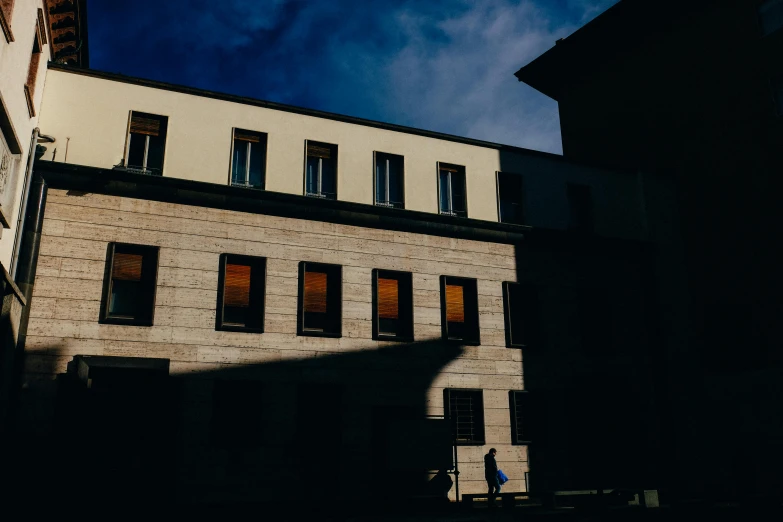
(400, 206)
(521, 443)
(453, 214)
(321, 196)
(6, 27)
(124, 321)
(395, 338)
(247, 186)
(463, 342)
(469, 443)
(314, 333)
(243, 329)
(28, 96)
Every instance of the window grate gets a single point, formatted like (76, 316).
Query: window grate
(466, 412)
(520, 411)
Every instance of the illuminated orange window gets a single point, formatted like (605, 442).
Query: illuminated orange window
(459, 310)
(129, 288)
(393, 305)
(241, 293)
(320, 295)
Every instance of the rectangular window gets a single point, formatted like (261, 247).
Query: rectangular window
(451, 190)
(145, 148)
(392, 305)
(236, 413)
(459, 310)
(777, 93)
(129, 284)
(321, 170)
(389, 180)
(241, 283)
(465, 410)
(519, 403)
(320, 300)
(521, 311)
(6, 11)
(771, 16)
(248, 159)
(510, 198)
(580, 206)
(35, 60)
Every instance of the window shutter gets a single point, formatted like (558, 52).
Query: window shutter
(141, 125)
(455, 304)
(7, 7)
(244, 136)
(388, 298)
(448, 168)
(315, 292)
(318, 151)
(237, 286)
(127, 267)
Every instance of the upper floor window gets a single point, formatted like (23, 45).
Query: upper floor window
(392, 305)
(241, 293)
(321, 170)
(248, 159)
(35, 60)
(771, 16)
(146, 144)
(320, 300)
(521, 313)
(459, 310)
(580, 207)
(510, 198)
(6, 11)
(451, 190)
(129, 284)
(389, 180)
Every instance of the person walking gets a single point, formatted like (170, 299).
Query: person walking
(491, 475)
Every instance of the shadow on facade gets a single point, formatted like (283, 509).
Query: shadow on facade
(329, 430)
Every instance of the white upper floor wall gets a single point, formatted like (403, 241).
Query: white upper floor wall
(88, 113)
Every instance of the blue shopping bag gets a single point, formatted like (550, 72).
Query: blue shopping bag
(502, 478)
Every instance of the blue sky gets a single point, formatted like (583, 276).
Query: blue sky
(439, 65)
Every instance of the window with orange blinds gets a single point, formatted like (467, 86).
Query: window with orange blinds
(145, 148)
(392, 305)
(241, 290)
(129, 284)
(459, 310)
(320, 296)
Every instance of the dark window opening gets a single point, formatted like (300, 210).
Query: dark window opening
(248, 159)
(241, 285)
(511, 198)
(771, 16)
(129, 284)
(580, 206)
(522, 314)
(451, 190)
(321, 170)
(389, 180)
(459, 310)
(520, 415)
(146, 145)
(392, 305)
(465, 410)
(237, 414)
(596, 318)
(777, 93)
(320, 300)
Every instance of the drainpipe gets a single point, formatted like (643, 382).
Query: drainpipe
(27, 258)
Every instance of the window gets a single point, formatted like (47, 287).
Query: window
(236, 413)
(129, 284)
(321, 170)
(146, 144)
(510, 198)
(459, 310)
(777, 92)
(519, 402)
(320, 300)
(580, 206)
(240, 304)
(465, 410)
(248, 159)
(392, 305)
(35, 60)
(771, 16)
(451, 190)
(6, 11)
(596, 321)
(521, 311)
(389, 180)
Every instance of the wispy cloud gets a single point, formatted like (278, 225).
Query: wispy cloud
(443, 65)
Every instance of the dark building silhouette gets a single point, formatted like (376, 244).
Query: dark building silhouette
(692, 93)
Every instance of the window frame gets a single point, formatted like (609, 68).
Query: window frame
(405, 310)
(531, 310)
(498, 174)
(262, 135)
(387, 203)
(148, 318)
(320, 194)
(257, 296)
(512, 406)
(474, 325)
(336, 272)
(480, 441)
(5, 22)
(460, 169)
(128, 135)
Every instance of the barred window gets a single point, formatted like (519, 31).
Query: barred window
(519, 405)
(465, 410)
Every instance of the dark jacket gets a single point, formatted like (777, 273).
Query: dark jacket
(490, 467)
